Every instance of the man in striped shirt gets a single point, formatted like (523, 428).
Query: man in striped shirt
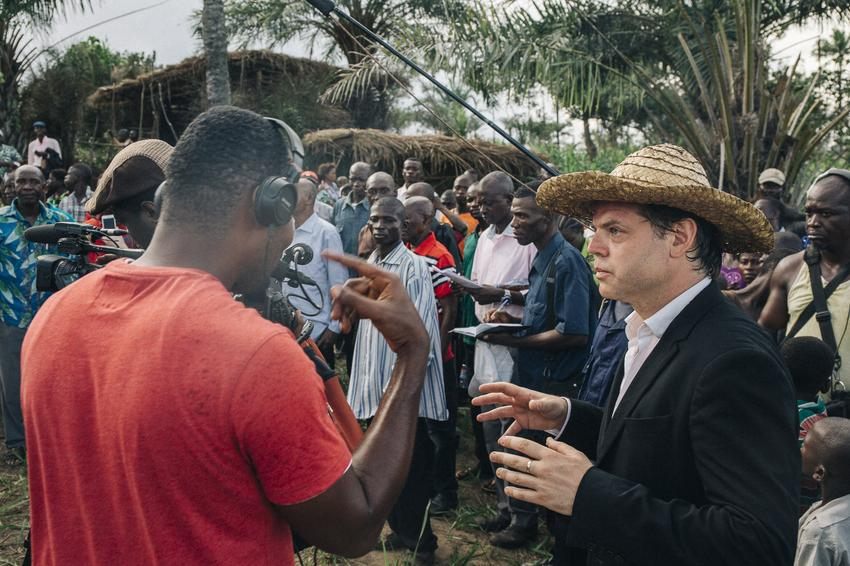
(420, 238)
(372, 366)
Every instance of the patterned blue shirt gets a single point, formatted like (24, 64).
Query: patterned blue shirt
(373, 360)
(19, 300)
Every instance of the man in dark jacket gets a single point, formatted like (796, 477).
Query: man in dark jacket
(694, 458)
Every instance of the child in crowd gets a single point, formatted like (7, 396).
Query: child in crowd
(824, 535)
(810, 361)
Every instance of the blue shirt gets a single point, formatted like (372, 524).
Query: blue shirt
(373, 360)
(319, 235)
(575, 301)
(606, 353)
(19, 300)
(349, 219)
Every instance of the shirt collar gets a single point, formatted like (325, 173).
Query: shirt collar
(426, 244)
(394, 257)
(661, 320)
(309, 224)
(490, 232)
(545, 255)
(356, 204)
(12, 211)
(833, 512)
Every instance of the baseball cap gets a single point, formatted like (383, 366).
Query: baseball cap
(137, 168)
(39, 124)
(772, 176)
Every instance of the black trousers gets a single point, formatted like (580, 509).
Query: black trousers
(444, 436)
(409, 515)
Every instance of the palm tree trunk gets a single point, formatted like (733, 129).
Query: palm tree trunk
(215, 48)
(589, 145)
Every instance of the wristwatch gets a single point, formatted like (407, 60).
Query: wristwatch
(506, 298)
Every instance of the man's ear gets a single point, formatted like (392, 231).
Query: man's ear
(819, 473)
(684, 234)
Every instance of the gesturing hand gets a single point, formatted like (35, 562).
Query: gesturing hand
(379, 296)
(529, 409)
(546, 475)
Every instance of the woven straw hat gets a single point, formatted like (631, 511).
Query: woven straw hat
(132, 171)
(664, 175)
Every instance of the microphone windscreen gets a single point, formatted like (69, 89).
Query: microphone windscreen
(45, 234)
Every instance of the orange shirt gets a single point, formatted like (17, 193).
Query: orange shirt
(171, 443)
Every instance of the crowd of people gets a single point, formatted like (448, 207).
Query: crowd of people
(645, 358)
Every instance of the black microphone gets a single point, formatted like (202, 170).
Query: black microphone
(285, 273)
(302, 254)
(52, 233)
(44, 234)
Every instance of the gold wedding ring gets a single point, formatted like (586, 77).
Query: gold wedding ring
(528, 467)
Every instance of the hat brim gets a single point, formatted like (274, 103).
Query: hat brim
(742, 227)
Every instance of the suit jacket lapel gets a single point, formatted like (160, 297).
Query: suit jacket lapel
(661, 356)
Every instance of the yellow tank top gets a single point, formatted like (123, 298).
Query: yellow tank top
(799, 297)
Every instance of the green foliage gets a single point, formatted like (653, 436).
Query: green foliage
(18, 20)
(58, 91)
(365, 88)
(834, 57)
(568, 159)
(690, 73)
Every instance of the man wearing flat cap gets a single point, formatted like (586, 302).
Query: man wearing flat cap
(128, 186)
(694, 458)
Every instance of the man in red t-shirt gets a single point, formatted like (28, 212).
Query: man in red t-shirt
(420, 238)
(201, 433)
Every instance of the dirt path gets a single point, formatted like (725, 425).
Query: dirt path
(460, 542)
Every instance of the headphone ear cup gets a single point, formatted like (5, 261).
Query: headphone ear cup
(274, 201)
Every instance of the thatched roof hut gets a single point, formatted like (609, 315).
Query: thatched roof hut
(443, 157)
(162, 103)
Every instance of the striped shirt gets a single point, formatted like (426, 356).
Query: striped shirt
(373, 360)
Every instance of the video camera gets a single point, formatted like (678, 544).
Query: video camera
(54, 272)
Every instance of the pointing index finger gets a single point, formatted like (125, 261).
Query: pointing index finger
(353, 262)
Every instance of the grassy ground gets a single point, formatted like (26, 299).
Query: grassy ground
(461, 543)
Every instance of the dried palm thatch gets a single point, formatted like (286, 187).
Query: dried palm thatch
(162, 103)
(443, 158)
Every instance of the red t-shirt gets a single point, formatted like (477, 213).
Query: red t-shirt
(163, 419)
(438, 258)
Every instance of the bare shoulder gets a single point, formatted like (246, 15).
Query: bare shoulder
(787, 269)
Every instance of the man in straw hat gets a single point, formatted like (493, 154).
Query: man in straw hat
(128, 186)
(694, 459)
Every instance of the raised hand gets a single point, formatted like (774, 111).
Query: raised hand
(379, 296)
(530, 409)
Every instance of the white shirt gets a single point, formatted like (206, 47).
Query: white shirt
(319, 235)
(40, 146)
(824, 535)
(644, 335)
(499, 260)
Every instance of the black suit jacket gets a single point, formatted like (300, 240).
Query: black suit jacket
(699, 464)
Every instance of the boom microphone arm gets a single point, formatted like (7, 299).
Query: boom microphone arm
(326, 7)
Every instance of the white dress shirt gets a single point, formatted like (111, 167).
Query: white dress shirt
(644, 335)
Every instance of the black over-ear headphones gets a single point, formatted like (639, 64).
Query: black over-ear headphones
(275, 197)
